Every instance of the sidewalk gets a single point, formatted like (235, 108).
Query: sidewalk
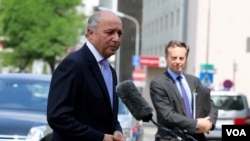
(148, 124)
(149, 131)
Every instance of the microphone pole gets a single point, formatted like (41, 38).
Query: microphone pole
(166, 129)
(184, 136)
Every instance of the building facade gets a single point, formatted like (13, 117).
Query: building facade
(218, 37)
(132, 8)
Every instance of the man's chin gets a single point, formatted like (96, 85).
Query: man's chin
(177, 71)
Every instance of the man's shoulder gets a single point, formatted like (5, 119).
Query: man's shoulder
(190, 76)
(161, 78)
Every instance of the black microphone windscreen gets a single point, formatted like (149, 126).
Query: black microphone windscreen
(134, 101)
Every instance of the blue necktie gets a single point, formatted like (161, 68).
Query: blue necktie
(107, 75)
(185, 98)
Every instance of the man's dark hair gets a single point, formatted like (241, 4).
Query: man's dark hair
(177, 43)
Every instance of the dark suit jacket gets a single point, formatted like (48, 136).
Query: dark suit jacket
(170, 109)
(79, 108)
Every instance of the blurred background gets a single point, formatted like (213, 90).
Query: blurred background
(36, 35)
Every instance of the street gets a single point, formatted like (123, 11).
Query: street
(149, 131)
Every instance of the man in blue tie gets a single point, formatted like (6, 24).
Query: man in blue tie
(82, 104)
(179, 99)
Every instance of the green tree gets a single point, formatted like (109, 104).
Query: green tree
(39, 29)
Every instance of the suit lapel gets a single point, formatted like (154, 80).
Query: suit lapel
(94, 66)
(193, 86)
(190, 82)
(176, 92)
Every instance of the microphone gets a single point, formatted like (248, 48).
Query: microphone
(133, 100)
(141, 110)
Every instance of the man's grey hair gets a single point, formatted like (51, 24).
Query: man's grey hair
(93, 22)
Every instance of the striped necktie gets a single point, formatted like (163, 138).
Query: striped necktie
(185, 98)
(107, 75)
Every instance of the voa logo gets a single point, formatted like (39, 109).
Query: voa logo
(236, 132)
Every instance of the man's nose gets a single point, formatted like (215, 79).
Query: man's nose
(178, 60)
(117, 37)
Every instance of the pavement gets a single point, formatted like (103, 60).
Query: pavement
(149, 131)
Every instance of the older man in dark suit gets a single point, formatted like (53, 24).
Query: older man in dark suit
(81, 105)
(179, 99)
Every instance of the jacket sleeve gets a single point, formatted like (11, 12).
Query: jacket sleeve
(213, 113)
(207, 106)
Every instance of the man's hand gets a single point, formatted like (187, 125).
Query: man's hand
(108, 137)
(118, 136)
(204, 125)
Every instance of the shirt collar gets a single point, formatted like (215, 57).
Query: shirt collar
(95, 52)
(174, 75)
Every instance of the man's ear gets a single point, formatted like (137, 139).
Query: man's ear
(90, 33)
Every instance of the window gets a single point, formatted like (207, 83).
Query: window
(248, 44)
(228, 102)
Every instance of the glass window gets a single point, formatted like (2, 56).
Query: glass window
(228, 102)
(24, 94)
(122, 108)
